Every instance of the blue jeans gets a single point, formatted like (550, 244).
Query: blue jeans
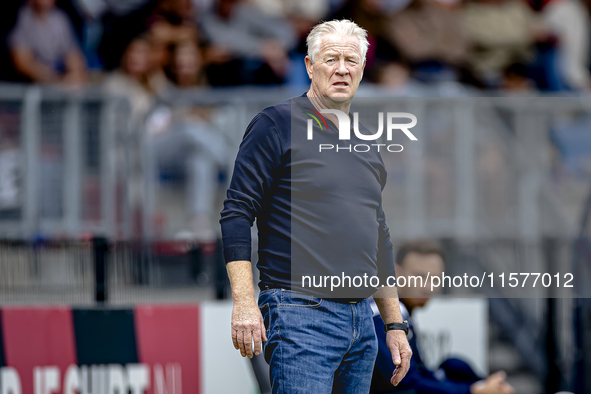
(316, 345)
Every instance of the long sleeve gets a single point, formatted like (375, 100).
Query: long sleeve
(385, 249)
(255, 171)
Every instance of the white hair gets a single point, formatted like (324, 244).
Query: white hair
(342, 27)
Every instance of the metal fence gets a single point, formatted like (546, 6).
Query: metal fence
(482, 167)
(60, 173)
(501, 180)
(87, 272)
(58, 272)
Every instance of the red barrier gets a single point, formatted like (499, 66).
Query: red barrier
(168, 339)
(42, 336)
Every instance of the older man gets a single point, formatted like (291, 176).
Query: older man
(319, 214)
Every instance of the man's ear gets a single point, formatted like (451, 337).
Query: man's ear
(308, 66)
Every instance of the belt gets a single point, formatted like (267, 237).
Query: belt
(339, 300)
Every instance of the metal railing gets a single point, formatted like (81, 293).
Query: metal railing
(100, 271)
(481, 167)
(62, 146)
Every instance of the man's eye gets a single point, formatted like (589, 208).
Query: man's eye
(330, 60)
(352, 61)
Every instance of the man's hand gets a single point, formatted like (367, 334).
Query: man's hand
(401, 354)
(248, 325)
(494, 384)
(247, 321)
(387, 301)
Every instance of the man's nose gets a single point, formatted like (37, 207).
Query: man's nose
(342, 68)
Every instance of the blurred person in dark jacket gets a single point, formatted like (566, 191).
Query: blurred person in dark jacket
(252, 47)
(43, 45)
(454, 376)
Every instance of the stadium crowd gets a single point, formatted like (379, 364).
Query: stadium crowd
(146, 45)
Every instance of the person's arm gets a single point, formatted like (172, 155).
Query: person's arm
(255, 170)
(494, 384)
(75, 68)
(25, 64)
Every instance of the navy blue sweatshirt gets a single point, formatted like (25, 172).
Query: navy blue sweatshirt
(319, 213)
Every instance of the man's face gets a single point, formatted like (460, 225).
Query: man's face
(415, 264)
(337, 69)
(42, 5)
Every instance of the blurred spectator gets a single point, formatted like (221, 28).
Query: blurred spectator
(117, 30)
(97, 17)
(139, 81)
(419, 258)
(393, 75)
(174, 21)
(184, 145)
(500, 33)
(43, 46)
(374, 16)
(429, 36)
(308, 10)
(137, 78)
(184, 65)
(568, 20)
(516, 79)
(167, 21)
(429, 30)
(253, 47)
(97, 8)
(302, 15)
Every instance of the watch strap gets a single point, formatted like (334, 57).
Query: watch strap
(397, 326)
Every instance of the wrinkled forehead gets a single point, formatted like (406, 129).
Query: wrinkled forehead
(342, 44)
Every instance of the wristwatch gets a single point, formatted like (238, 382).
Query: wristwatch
(397, 326)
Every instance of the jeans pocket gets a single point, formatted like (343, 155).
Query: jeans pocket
(266, 312)
(295, 299)
(266, 296)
